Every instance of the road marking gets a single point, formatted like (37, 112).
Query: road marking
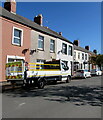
(21, 104)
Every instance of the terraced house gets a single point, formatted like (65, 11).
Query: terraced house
(81, 57)
(16, 36)
(30, 41)
(47, 44)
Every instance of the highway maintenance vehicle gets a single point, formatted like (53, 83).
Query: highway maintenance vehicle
(37, 74)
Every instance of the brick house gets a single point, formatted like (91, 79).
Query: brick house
(15, 37)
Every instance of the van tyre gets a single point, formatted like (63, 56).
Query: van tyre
(41, 84)
(68, 79)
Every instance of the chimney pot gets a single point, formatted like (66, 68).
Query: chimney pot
(60, 33)
(87, 47)
(39, 19)
(10, 5)
(76, 42)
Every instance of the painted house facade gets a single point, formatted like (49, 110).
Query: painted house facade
(50, 45)
(81, 57)
(65, 53)
(15, 37)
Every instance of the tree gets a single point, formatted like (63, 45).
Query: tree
(97, 60)
(92, 60)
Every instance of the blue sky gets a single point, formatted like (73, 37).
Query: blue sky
(76, 20)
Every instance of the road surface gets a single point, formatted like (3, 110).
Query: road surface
(81, 98)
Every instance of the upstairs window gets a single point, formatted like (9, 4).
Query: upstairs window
(17, 36)
(85, 56)
(78, 55)
(41, 42)
(70, 50)
(74, 55)
(82, 56)
(64, 48)
(52, 45)
(39, 64)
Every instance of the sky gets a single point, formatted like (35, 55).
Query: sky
(76, 20)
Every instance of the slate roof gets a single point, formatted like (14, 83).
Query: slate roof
(82, 49)
(22, 20)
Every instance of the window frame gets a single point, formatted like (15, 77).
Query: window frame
(78, 55)
(70, 51)
(40, 61)
(82, 56)
(53, 44)
(14, 58)
(41, 40)
(63, 48)
(74, 54)
(21, 36)
(86, 56)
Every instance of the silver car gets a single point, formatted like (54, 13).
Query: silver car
(82, 73)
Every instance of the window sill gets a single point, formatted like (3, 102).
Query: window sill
(16, 44)
(52, 52)
(64, 54)
(39, 49)
(70, 55)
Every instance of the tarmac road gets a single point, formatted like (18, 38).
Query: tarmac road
(81, 98)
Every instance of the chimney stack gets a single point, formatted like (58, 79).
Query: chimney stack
(10, 5)
(95, 51)
(39, 19)
(60, 33)
(76, 42)
(87, 47)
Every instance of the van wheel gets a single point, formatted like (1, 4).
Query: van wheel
(41, 84)
(68, 79)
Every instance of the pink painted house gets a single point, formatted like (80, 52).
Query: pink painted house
(16, 36)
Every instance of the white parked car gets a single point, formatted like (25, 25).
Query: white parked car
(82, 73)
(96, 72)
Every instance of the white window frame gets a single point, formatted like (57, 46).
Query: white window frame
(14, 57)
(41, 61)
(41, 40)
(53, 44)
(64, 47)
(83, 57)
(21, 44)
(78, 55)
(70, 50)
(86, 57)
(74, 54)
